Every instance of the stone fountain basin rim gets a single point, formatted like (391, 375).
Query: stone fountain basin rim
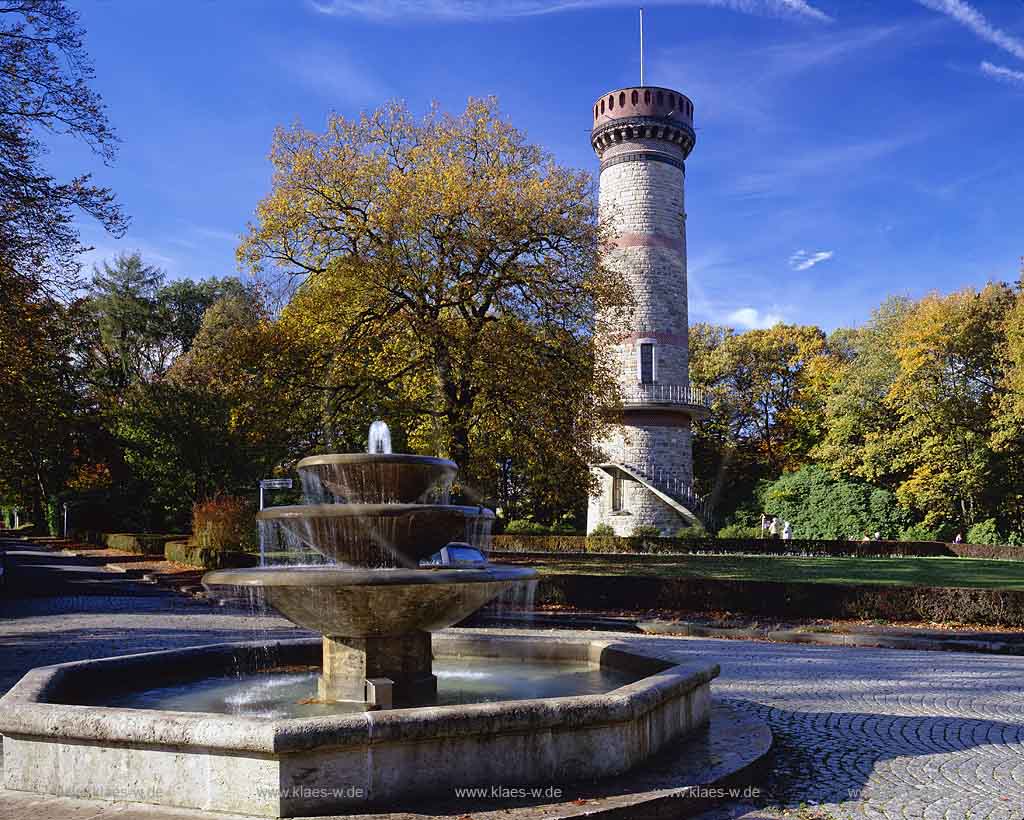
(284, 576)
(28, 712)
(376, 458)
(367, 511)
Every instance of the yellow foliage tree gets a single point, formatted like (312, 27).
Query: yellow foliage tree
(949, 354)
(447, 274)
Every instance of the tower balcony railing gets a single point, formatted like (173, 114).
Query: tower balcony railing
(681, 395)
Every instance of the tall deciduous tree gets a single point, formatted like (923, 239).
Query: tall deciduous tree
(949, 352)
(861, 437)
(44, 87)
(766, 410)
(450, 272)
(1008, 425)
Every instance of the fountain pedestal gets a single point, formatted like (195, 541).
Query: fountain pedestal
(405, 660)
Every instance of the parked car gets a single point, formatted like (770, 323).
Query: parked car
(456, 554)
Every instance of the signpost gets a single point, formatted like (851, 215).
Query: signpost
(273, 484)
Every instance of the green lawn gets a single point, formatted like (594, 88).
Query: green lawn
(938, 572)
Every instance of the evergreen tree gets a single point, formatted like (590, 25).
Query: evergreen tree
(130, 319)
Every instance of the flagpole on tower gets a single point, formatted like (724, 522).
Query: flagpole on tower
(641, 46)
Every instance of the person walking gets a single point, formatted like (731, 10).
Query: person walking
(773, 528)
(787, 532)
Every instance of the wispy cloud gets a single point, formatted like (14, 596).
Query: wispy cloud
(968, 16)
(1006, 75)
(335, 75)
(750, 318)
(217, 234)
(782, 61)
(802, 260)
(475, 10)
(735, 81)
(830, 162)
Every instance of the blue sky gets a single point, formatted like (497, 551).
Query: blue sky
(846, 150)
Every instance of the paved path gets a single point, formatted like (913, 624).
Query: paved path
(861, 733)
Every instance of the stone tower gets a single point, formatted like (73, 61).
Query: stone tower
(642, 137)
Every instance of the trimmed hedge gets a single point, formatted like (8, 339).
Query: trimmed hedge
(140, 543)
(785, 600)
(579, 544)
(21, 531)
(193, 555)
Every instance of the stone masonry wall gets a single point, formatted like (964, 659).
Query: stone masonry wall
(669, 448)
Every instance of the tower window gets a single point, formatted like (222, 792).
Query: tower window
(611, 102)
(617, 493)
(634, 97)
(646, 363)
(622, 98)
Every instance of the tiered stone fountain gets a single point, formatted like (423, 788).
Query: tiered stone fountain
(375, 605)
(158, 728)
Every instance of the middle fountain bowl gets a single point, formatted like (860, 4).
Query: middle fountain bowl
(381, 535)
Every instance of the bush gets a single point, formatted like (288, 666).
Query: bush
(820, 505)
(692, 531)
(602, 531)
(522, 526)
(225, 522)
(985, 532)
(645, 531)
(919, 532)
(739, 531)
(139, 543)
(192, 555)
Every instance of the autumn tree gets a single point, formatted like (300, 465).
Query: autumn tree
(925, 403)
(1008, 424)
(766, 412)
(39, 401)
(861, 438)
(949, 351)
(45, 73)
(44, 94)
(448, 275)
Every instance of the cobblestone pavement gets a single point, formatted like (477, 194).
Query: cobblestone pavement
(860, 733)
(874, 733)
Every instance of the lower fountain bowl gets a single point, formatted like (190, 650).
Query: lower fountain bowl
(356, 603)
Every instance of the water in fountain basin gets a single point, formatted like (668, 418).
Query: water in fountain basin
(289, 693)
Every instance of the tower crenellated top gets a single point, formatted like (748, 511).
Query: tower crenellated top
(643, 112)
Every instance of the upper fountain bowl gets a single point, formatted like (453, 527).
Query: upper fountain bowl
(376, 478)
